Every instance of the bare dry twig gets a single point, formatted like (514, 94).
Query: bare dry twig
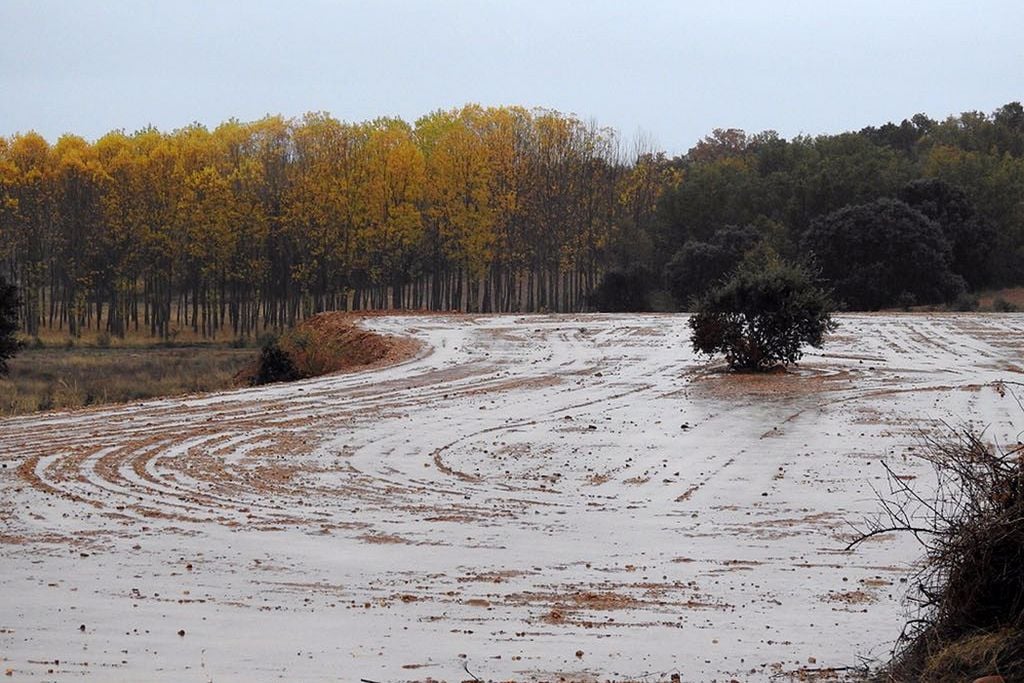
(971, 528)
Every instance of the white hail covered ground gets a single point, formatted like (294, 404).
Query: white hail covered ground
(530, 498)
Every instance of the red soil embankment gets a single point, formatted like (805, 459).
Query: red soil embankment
(335, 342)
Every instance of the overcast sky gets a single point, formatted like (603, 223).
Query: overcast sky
(672, 70)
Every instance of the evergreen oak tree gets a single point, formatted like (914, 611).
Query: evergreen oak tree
(763, 314)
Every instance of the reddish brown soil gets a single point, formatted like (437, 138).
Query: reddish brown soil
(334, 342)
(1014, 296)
(720, 383)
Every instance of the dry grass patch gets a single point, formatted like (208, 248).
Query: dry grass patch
(59, 378)
(1000, 653)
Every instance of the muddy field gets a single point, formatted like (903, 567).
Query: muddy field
(528, 498)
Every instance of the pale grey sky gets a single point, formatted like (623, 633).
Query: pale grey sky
(673, 70)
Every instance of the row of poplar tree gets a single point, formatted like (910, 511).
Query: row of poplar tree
(255, 225)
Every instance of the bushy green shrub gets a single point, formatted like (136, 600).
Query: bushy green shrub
(763, 314)
(274, 365)
(1001, 305)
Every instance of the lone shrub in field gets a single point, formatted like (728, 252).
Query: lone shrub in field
(763, 314)
(9, 344)
(274, 365)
